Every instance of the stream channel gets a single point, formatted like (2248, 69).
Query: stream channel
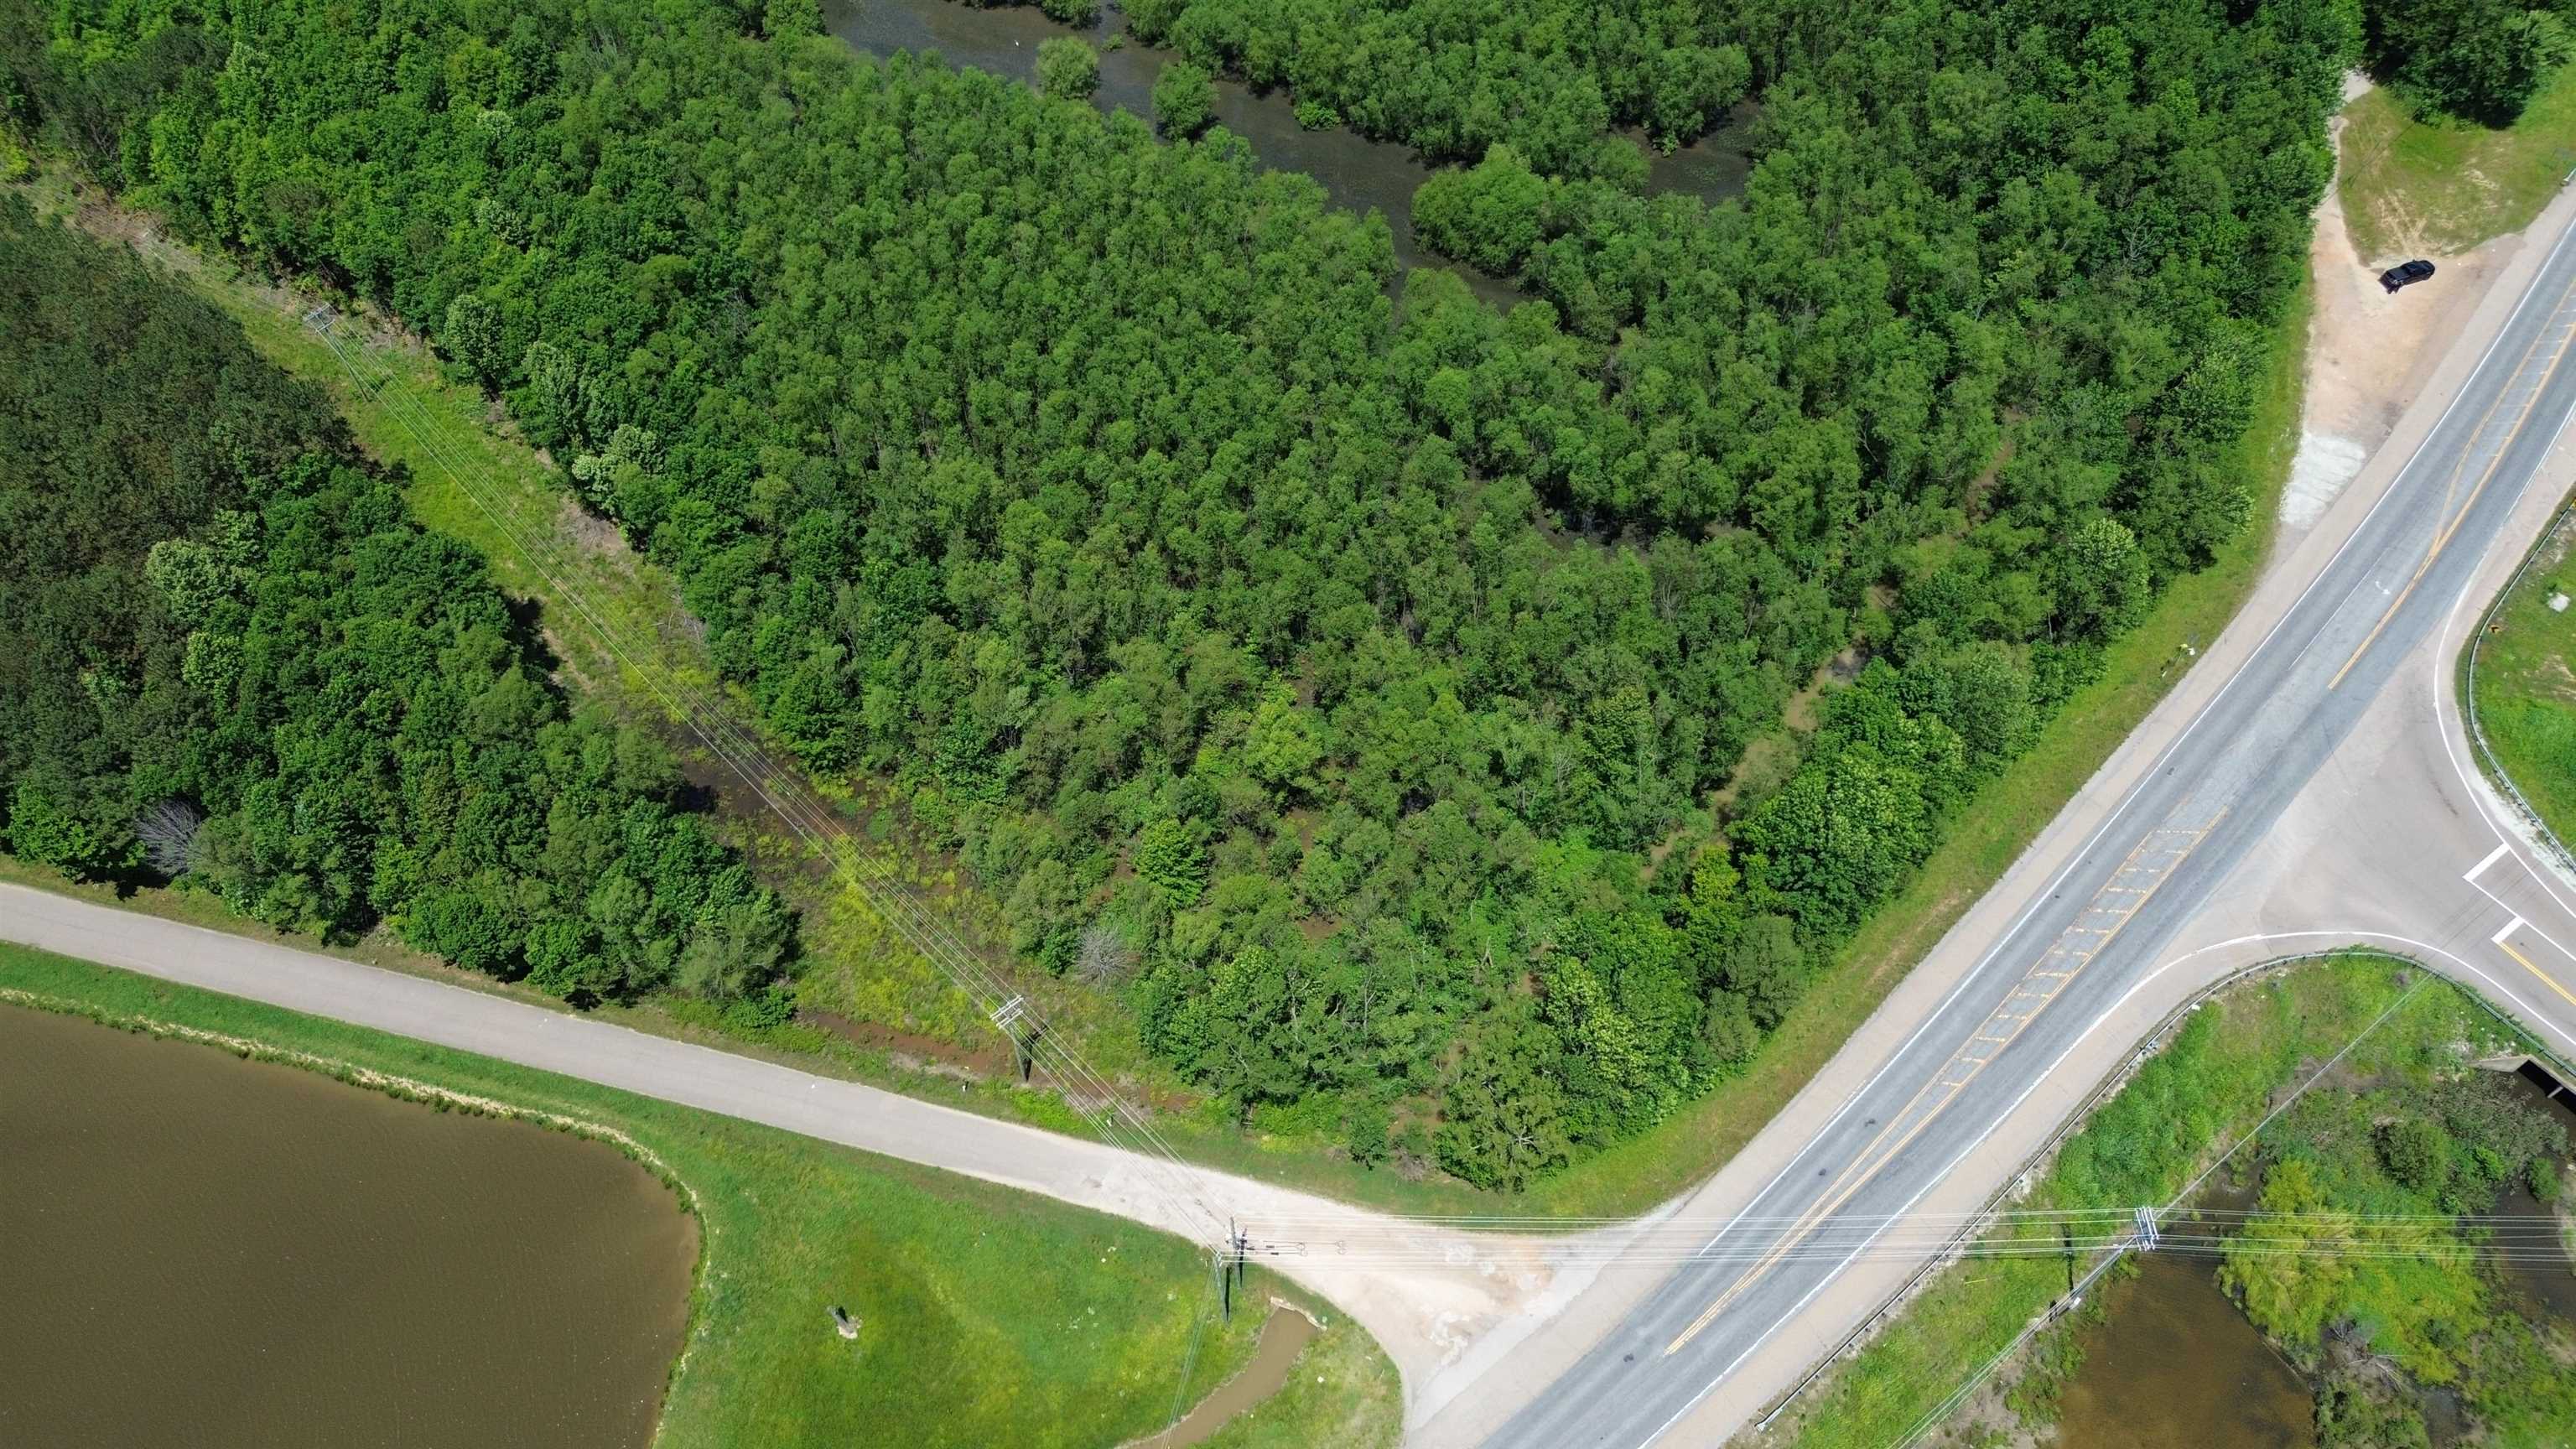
(1354, 171)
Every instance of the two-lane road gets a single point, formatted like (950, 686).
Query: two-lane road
(2087, 936)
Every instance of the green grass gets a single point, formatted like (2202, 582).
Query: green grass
(993, 1317)
(864, 970)
(2212, 1083)
(2412, 186)
(2526, 692)
(1340, 1394)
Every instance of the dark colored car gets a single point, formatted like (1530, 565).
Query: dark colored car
(2406, 274)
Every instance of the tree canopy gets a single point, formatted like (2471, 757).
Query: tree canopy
(226, 655)
(1364, 659)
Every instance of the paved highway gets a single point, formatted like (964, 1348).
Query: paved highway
(2083, 939)
(2316, 797)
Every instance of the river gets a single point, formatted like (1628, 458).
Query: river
(201, 1250)
(1355, 172)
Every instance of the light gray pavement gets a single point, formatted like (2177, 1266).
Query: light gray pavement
(1452, 1290)
(2307, 788)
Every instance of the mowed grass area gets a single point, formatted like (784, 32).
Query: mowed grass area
(991, 1317)
(2526, 685)
(2211, 1084)
(863, 969)
(2412, 185)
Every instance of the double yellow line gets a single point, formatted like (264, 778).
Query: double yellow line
(2450, 488)
(1863, 1167)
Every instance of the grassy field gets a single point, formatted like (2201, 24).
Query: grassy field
(2211, 1084)
(2412, 186)
(1342, 1394)
(2526, 692)
(992, 1317)
(864, 971)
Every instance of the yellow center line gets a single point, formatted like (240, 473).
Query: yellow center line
(2450, 490)
(1863, 1167)
(2536, 971)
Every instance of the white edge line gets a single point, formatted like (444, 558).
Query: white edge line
(2532, 1018)
(2324, 571)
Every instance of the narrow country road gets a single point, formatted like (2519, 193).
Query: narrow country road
(2305, 788)
(1455, 1290)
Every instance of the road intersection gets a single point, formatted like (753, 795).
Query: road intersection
(2307, 787)
(2316, 792)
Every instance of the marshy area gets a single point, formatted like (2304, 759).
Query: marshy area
(2360, 1246)
(2430, 1299)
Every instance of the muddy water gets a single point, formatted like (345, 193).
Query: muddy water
(2551, 1286)
(200, 1250)
(1357, 173)
(1282, 1338)
(2174, 1365)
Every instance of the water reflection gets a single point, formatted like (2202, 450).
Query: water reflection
(1357, 173)
(205, 1251)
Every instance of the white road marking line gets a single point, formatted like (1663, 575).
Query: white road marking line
(2480, 868)
(2516, 924)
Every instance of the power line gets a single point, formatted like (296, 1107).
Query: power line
(805, 814)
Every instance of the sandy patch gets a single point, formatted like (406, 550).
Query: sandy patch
(2369, 351)
(2325, 462)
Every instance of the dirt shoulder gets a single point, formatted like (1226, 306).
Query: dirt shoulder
(2370, 351)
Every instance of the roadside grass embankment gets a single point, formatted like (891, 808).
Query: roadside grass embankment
(2413, 185)
(2224, 1068)
(990, 1316)
(2007, 814)
(861, 968)
(2525, 682)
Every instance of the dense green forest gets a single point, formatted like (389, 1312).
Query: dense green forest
(227, 656)
(1339, 668)
(1453, 78)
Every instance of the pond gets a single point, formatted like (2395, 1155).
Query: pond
(2174, 1365)
(208, 1251)
(1356, 172)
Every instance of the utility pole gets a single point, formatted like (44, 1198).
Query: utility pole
(1007, 1017)
(1238, 1247)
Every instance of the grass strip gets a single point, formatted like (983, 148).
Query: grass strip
(994, 1317)
(2211, 1083)
(869, 971)
(2526, 691)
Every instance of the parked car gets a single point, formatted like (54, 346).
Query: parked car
(2406, 274)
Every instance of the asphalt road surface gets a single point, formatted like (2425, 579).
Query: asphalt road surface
(2091, 932)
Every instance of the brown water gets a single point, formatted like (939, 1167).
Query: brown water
(1357, 173)
(2551, 1287)
(1283, 1337)
(200, 1250)
(2174, 1365)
